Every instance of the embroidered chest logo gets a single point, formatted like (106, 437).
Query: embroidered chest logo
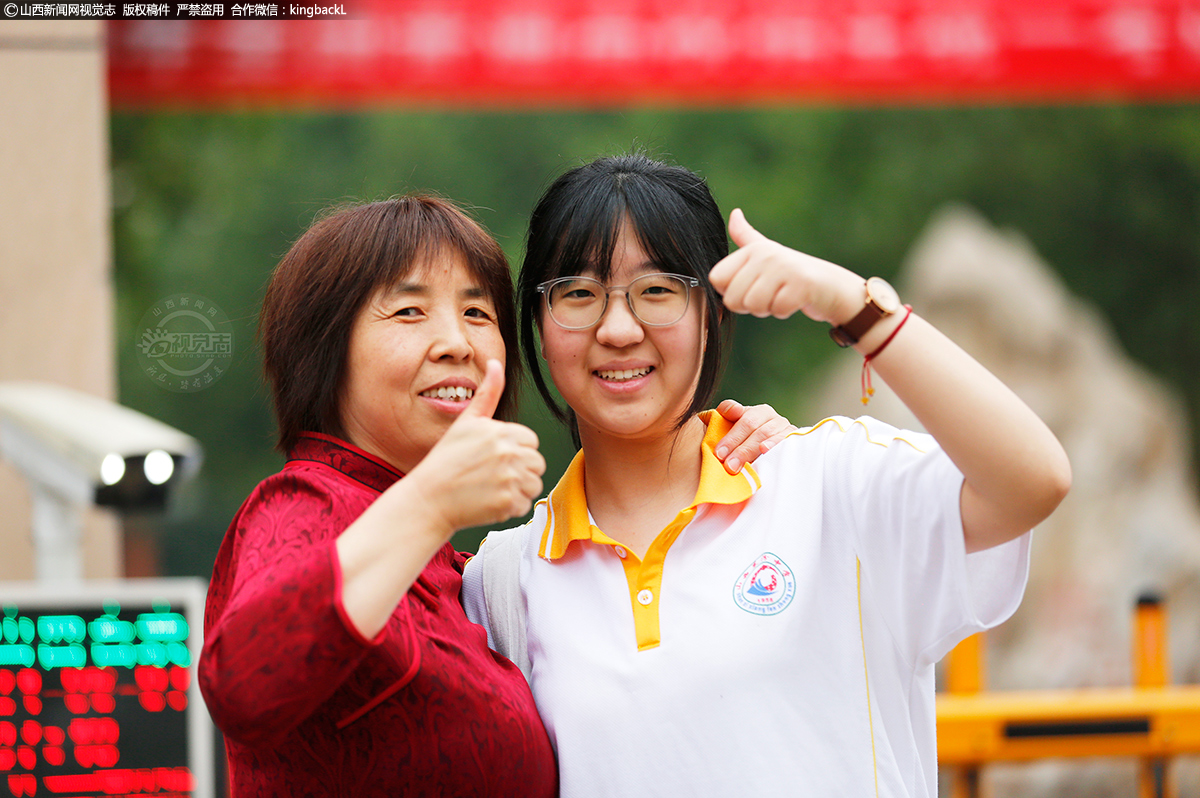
(766, 587)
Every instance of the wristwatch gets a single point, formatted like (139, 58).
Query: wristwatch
(882, 300)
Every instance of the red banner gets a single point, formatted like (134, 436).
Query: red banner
(586, 53)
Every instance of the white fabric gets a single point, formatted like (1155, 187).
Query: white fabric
(735, 702)
(495, 594)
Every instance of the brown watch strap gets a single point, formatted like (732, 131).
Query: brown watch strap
(851, 332)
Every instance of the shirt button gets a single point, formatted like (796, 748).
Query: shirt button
(645, 597)
(620, 550)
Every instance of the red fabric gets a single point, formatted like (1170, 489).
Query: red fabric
(311, 708)
(589, 53)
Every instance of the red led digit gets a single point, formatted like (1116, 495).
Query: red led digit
(22, 784)
(180, 678)
(29, 681)
(8, 681)
(150, 678)
(107, 680)
(80, 730)
(31, 732)
(174, 779)
(53, 755)
(152, 702)
(146, 781)
(52, 751)
(96, 680)
(118, 781)
(106, 755)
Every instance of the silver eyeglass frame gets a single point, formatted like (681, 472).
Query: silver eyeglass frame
(689, 282)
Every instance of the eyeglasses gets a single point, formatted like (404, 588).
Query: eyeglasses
(656, 300)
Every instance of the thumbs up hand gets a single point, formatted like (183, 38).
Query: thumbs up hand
(765, 278)
(482, 471)
(487, 395)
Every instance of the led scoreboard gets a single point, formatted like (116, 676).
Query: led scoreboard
(98, 695)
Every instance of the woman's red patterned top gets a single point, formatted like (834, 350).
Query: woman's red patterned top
(308, 706)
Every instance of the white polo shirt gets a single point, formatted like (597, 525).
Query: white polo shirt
(780, 635)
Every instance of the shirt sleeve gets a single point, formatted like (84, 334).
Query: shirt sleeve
(278, 642)
(901, 496)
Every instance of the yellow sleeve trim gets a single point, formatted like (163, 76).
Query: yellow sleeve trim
(837, 422)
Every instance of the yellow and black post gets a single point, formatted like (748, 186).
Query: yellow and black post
(1151, 670)
(966, 675)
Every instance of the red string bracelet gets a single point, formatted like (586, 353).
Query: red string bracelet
(868, 390)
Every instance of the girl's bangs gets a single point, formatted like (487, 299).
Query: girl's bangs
(590, 239)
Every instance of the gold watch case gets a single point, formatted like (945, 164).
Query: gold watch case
(882, 301)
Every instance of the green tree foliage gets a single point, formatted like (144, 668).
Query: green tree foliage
(208, 203)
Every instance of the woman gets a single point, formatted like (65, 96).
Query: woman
(337, 657)
(692, 632)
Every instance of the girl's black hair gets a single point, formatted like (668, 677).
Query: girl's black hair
(575, 226)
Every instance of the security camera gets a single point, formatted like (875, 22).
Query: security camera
(91, 450)
(77, 450)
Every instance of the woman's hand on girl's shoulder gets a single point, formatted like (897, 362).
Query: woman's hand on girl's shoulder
(755, 430)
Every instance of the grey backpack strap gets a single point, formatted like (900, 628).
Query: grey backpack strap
(502, 594)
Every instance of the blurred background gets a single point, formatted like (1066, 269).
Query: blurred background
(1057, 145)
(208, 203)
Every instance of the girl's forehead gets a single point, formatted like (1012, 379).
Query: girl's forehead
(622, 251)
(624, 271)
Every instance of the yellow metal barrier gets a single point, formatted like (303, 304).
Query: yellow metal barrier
(1151, 720)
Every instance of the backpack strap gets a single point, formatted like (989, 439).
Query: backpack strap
(501, 576)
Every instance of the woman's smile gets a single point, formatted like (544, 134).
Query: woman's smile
(450, 395)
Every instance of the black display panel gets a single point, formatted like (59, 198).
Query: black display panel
(97, 690)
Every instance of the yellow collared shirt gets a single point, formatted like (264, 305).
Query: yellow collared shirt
(780, 635)
(568, 521)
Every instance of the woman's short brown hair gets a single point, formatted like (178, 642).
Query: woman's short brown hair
(329, 274)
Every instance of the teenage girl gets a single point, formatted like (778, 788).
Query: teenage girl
(691, 631)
